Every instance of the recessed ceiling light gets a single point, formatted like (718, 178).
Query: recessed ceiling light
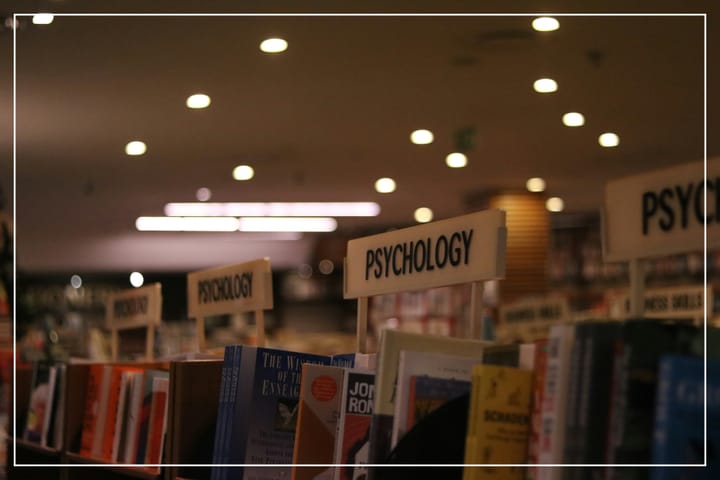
(287, 224)
(422, 137)
(273, 209)
(573, 119)
(555, 204)
(198, 100)
(136, 279)
(243, 172)
(326, 266)
(423, 215)
(43, 18)
(609, 139)
(203, 194)
(273, 45)
(187, 224)
(76, 281)
(385, 185)
(135, 147)
(545, 85)
(456, 160)
(545, 24)
(535, 184)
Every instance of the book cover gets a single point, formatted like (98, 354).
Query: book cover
(269, 387)
(102, 412)
(158, 421)
(59, 421)
(429, 393)
(498, 430)
(437, 365)
(145, 411)
(38, 407)
(226, 409)
(392, 342)
(679, 436)
(134, 408)
(353, 435)
(51, 407)
(320, 395)
(114, 399)
(121, 415)
(541, 351)
(92, 406)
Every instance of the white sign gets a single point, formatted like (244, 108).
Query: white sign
(134, 308)
(530, 319)
(662, 213)
(235, 288)
(465, 249)
(675, 302)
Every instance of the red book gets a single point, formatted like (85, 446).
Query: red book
(113, 401)
(92, 405)
(158, 421)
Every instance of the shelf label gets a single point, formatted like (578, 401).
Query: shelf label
(469, 248)
(236, 288)
(662, 213)
(530, 319)
(135, 307)
(676, 302)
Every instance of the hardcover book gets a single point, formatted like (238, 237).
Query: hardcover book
(145, 412)
(353, 436)
(158, 420)
(98, 375)
(39, 407)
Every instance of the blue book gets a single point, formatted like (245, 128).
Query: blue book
(265, 411)
(678, 436)
(229, 374)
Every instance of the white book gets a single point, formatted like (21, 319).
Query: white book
(51, 392)
(133, 416)
(57, 441)
(435, 365)
(120, 414)
(97, 447)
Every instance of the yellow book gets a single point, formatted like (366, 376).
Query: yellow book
(499, 422)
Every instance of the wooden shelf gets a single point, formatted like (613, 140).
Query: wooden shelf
(146, 473)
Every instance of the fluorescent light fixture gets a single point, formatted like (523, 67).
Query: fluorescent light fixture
(545, 85)
(287, 224)
(456, 160)
(136, 147)
(43, 18)
(535, 184)
(137, 279)
(422, 137)
(545, 24)
(385, 185)
(199, 100)
(243, 172)
(423, 215)
(273, 209)
(573, 119)
(609, 139)
(186, 224)
(273, 45)
(555, 204)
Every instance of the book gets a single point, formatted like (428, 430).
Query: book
(51, 407)
(121, 414)
(412, 366)
(102, 410)
(499, 422)
(158, 420)
(59, 420)
(114, 400)
(320, 396)
(354, 360)
(353, 434)
(145, 411)
(540, 363)
(391, 343)
(132, 422)
(228, 383)
(269, 387)
(679, 436)
(38, 408)
(91, 419)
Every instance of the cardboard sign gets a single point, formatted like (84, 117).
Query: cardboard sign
(662, 213)
(469, 248)
(675, 302)
(134, 308)
(232, 289)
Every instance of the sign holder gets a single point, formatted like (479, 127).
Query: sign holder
(244, 287)
(466, 249)
(134, 309)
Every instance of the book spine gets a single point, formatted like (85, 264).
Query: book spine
(222, 408)
(91, 406)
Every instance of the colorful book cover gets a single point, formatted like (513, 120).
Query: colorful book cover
(268, 389)
(320, 396)
(129, 450)
(499, 429)
(38, 408)
(679, 436)
(429, 393)
(113, 402)
(145, 411)
(353, 435)
(51, 410)
(102, 412)
(90, 415)
(158, 421)
(437, 365)
(541, 351)
(59, 420)
(392, 342)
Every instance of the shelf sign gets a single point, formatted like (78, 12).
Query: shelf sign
(231, 289)
(530, 319)
(662, 213)
(134, 308)
(469, 248)
(676, 302)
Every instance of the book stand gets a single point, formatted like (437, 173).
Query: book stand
(134, 309)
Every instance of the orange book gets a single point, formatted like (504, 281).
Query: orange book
(113, 400)
(90, 417)
(158, 422)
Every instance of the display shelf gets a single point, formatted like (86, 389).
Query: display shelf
(145, 473)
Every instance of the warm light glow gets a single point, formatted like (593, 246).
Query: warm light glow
(43, 18)
(76, 281)
(137, 279)
(545, 85)
(423, 215)
(305, 271)
(273, 209)
(203, 194)
(555, 204)
(545, 24)
(136, 147)
(456, 160)
(609, 140)
(243, 172)
(287, 224)
(535, 184)
(187, 224)
(273, 45)
(326, 266)
(422, 137)
(385, 185)
(199, 100)
(573, 119)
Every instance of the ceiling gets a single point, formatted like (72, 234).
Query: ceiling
(323, 120)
